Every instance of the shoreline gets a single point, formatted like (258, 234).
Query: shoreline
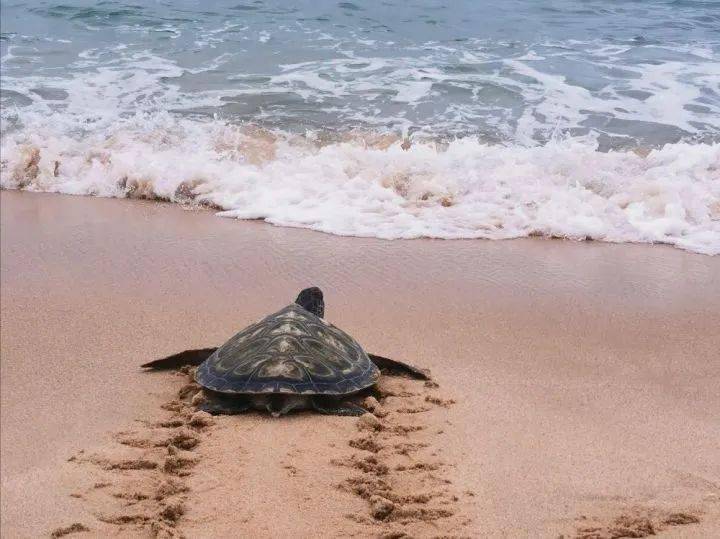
(582, 372)
(380, 187)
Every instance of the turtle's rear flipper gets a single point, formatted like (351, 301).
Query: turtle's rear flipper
(398, 367)
(217, 405)
(333, 407)
(175, 361)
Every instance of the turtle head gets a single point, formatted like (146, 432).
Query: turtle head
(311, 299)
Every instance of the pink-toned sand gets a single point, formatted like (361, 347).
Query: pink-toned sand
(585, 379)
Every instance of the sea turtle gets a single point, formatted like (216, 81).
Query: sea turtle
(290, 360)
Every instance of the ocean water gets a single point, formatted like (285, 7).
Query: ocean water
(585, 119)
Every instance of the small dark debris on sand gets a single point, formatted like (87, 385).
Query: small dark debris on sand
(680, 519)
(124, 519)
(642, 523)
(130, 464)
(75, 527)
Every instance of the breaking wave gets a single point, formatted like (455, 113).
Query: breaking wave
(382, 185)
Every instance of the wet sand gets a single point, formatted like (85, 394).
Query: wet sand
(584, 377)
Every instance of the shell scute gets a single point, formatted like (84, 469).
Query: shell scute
(290, 351)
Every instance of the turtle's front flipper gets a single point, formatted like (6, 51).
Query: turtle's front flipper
(398, 367)
(175, 361)
(333, 407)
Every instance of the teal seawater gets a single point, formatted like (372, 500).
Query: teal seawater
(642, 71)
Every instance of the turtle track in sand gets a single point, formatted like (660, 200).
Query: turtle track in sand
(140, 484)
(397, 467)
(388, 459)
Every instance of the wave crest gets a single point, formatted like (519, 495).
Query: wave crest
(377, 184)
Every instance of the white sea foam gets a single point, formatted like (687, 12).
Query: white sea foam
(369, 185)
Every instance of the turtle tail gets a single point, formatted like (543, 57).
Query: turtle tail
(175, 361)
(311, 299)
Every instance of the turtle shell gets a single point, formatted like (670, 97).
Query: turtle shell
(290, 351)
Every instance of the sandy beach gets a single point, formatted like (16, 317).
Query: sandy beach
(577, 382)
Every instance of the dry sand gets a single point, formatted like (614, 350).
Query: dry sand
(585, 378)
